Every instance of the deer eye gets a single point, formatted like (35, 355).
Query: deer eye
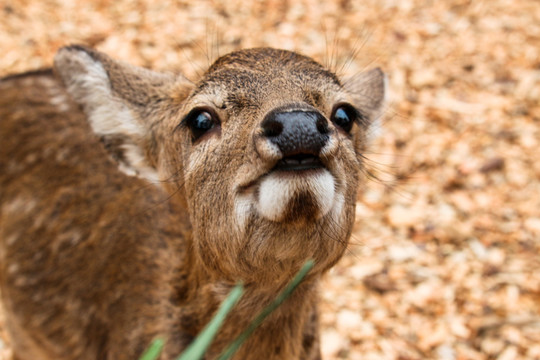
(200, 121)
(344, 116)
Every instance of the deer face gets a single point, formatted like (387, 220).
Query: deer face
(265, 150)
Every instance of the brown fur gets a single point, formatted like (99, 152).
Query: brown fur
(95, 262)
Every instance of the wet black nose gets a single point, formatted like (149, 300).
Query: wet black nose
(296, 132)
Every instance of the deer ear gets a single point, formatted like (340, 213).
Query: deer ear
(120, 102)
(368, 92)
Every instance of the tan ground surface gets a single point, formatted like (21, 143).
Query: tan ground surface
(444, 262)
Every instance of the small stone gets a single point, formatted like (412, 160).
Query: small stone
(401, 216)
(332, 343)
(493, 164)
(492, 346)
(510, 353)
(366, 268)
(423, 78)
(348, 320)
(445, 352)
(400, 253)
(533, 225)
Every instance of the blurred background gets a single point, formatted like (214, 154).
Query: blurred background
(444, 262)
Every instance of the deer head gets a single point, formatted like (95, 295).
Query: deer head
(264, 151)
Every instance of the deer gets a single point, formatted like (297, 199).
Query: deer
(132, 200)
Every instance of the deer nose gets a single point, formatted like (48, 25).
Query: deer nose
(296, 132)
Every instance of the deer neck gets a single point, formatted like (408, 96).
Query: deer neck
(290, 332)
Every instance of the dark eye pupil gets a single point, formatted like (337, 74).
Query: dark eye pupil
(341, 116)
(343, 119)
(203, 121)
(199, 123)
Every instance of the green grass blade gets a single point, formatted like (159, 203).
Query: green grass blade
(198, 347)
(153, 350)
(233, 347)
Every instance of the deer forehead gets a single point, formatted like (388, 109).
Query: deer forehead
(260, 79)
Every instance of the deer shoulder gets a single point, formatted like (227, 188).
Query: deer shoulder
(131, 201)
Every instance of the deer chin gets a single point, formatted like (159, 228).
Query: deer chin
(290, 196)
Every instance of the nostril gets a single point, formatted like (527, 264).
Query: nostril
(322, 125)
(272, 127)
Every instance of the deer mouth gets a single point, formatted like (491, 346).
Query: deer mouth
(294, 165)
(299, 162)
(295, 187)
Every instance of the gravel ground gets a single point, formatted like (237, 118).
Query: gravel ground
(444, 259)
